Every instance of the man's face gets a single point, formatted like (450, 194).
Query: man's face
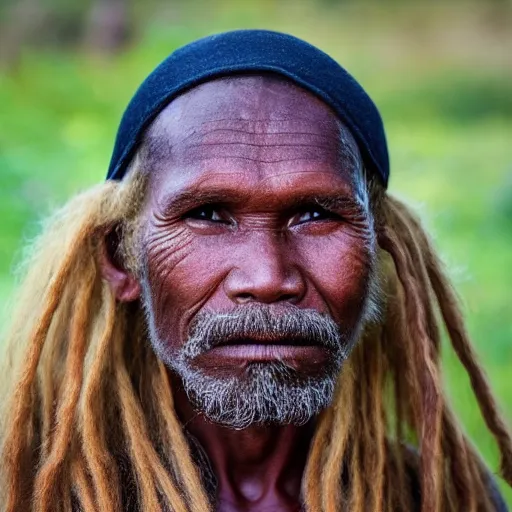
(257, 248)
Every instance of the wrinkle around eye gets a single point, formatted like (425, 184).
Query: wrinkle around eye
(180, 258)
(166, 242)
(165, 260)
(337, 228)
(162, 218)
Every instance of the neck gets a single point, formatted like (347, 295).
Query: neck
(254, 466)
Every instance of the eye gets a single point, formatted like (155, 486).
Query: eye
(313, 213)
(209, 213)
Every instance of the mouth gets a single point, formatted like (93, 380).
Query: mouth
(266, 340)
(267, 349)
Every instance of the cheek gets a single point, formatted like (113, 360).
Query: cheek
(339, 270)
(183, 272)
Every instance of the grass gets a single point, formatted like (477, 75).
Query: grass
(438, 77)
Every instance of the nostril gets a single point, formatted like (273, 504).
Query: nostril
(287, 297)
(245, 297)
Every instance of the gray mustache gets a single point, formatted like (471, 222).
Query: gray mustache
(265, 323)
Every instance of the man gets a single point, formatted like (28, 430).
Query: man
(241, 317)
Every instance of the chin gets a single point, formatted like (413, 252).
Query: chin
(258, 394)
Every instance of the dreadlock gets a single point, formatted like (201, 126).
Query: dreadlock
(88, 420)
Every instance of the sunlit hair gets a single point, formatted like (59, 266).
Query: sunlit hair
(88, 421)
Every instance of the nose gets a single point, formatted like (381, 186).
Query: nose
(265, 273)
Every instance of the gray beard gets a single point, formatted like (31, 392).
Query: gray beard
(267, 393)
(270, 393)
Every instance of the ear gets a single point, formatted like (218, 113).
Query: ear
(124, 284)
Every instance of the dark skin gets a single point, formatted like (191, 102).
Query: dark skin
(251, 200)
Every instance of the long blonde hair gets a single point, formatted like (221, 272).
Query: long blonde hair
(88, 421)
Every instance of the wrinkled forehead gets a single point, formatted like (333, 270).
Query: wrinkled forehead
(260, 105)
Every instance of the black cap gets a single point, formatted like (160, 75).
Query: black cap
(250, 51)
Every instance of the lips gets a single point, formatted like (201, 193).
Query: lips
(266, 349)
(266, 340)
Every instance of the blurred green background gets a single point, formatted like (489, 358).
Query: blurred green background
(440, 72)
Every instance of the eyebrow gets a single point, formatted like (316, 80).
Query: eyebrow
(178, 204)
